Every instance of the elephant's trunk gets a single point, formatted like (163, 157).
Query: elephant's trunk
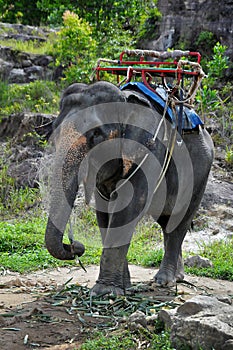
(65, 181)
(61, 251)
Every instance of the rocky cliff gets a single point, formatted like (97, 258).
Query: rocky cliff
(184, 20)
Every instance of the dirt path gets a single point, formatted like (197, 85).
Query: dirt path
(29, 319)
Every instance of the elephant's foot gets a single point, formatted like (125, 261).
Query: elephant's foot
(101, 289)
(168, 274)
(114, 276)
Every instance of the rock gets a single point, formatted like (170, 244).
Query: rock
(225, 299)
(197, 261)
(24, 32)
(17, 76)
(151, 319)
(34, 73)
(202, 322)
(26, 149)
(26, 173)
(18, 125)
(5, 68)
(217, 192)
(26, 63)
(228, 345)
(197, 304)
(43, 60)
(138, 317)
(2, 321)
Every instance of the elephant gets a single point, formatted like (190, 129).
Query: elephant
(127, 153)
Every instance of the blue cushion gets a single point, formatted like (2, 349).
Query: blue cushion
(190, 118)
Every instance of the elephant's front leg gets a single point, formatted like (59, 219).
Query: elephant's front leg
(114, 274)
(117, 219)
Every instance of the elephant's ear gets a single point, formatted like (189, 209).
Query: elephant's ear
(136, 97)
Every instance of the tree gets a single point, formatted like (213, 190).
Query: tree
(23, 11)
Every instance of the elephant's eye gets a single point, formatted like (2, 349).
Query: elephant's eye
(95, 137)
(96, 132)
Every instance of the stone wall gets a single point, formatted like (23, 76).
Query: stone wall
(23, 67)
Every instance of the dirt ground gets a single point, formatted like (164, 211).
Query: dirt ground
(29, 319)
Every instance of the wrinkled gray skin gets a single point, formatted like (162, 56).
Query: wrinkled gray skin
(114, 274)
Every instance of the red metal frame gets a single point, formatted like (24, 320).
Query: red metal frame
(147, 68)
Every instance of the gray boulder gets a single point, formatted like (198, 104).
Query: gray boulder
(17, 76)
(5, 68)
(201, 322)
(198, 261)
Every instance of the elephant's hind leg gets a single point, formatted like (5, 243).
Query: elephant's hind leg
(114, 277)
(172, 269)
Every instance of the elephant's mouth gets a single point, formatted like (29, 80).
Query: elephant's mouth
(106, 183)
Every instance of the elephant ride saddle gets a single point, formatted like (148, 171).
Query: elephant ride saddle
(169, 79)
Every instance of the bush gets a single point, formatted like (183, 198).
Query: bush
(75, 48)
(14, 200)
(213, 101)
(38, 96)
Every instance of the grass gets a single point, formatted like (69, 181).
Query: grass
(14, 200)
(221, 255)
(22, 246)
(229, 155)
(125, 339)
(38, 96)
(32, 46)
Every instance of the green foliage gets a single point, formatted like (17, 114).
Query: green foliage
(221, 254)
(22, 245)
(19, 236)
(204, 44)
(112, 43)
(218, 64)
(208, 99)
(127, 14)
(38, 96)
(14, 200)
(144, 245)
(27, 236)
(125, 339)
(206, 38)
(216, 102)
(229, 155)
(148, 22)
(75, 47)
(73, 39)
(31, 46)
(23, 11)
(112, 342)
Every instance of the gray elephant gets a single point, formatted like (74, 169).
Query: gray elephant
(125, 148)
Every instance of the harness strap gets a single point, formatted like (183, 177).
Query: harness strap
(166, 162)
